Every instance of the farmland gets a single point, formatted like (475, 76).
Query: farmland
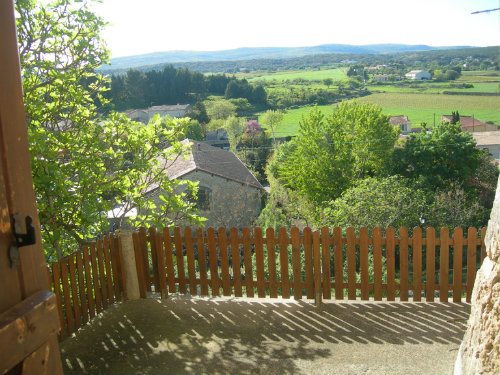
(420, 101)
(310, 75)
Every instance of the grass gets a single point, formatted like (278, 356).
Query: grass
(435, 88)
(310, 75)
(419, 108)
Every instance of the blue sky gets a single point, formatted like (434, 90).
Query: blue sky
(138, 27)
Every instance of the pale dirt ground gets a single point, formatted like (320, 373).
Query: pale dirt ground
(193, 335)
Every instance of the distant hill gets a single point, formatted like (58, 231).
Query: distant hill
(156, 58)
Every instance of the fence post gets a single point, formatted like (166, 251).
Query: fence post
(131, 291)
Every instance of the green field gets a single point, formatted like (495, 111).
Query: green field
(310, 75)
(419, 108)
(435, 88)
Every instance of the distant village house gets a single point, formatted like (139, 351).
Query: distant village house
(418, 75)
(471, 124)
(402, 123)
(144, 115)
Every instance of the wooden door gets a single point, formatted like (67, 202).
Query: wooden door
(28, 312)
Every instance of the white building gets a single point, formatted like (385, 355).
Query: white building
(418, 75)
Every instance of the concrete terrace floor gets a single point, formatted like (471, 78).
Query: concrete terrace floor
(193, 335)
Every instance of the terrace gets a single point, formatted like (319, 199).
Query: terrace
(282, 309)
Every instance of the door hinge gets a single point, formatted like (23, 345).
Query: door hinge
(21, 239)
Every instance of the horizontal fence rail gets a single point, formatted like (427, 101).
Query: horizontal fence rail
(87, 282)
(310, 264)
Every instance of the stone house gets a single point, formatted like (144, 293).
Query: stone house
(489, 141)
(471, 124)
(229, 194)
(144, 115)
(402, 123)
(418, 75)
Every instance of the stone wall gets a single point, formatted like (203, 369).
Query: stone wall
(480, 350)
(232, 204)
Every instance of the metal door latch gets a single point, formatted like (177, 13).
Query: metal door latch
(21, 239)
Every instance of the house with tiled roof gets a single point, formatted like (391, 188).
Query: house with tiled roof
(471, 124)
(229, 195)
(144, 115)
(489, 141)
(402, 123)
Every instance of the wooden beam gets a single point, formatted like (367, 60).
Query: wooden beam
(25, 328)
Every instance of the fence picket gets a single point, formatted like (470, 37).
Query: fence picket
(224, 262)
(154, 257)
(247, 260)
(67, 300)
(169, 260)
(338, 263)
(143, 261)
(179, 257)
(351, 263)
(271, 263)
(102, 275)
(444, 257)
(390, 246)
(325, 257)
(115, 265)
(88, 282)
(471, 261)
(363, 264)
(308, 261)
(297, 276)
(107, 266)
(430, 268)
(139, 262)
(483, 246)
(202, 262)
(285, 280)
(377, 264)
(81, 286)
(236, 264)
(317, 268)
(458, 238)
(160, 266)
(259, 261)
(417, 264)
(403, 264)
(56, 277)
(188, 239)
(95, 279)
(212, 257)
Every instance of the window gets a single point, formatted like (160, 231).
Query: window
(203, 201)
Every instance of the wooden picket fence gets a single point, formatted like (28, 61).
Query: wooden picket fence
(311, 264)
(87, 282)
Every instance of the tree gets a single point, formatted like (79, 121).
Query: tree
(84, 165)
(272, 119)
(220, 109)
(442, 156)
(377, 202)
(234, 127)
(354, 142)
(328, 82)
(455, 117)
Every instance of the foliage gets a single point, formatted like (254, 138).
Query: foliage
(272, 119)
(220, 109)
(235, 127)
(377, 202)
(331, 153)
(194, 131)
(254, 149)
(442, 156)
(199, 113)
(85, 165)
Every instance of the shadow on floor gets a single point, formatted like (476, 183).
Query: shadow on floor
(184, 335)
